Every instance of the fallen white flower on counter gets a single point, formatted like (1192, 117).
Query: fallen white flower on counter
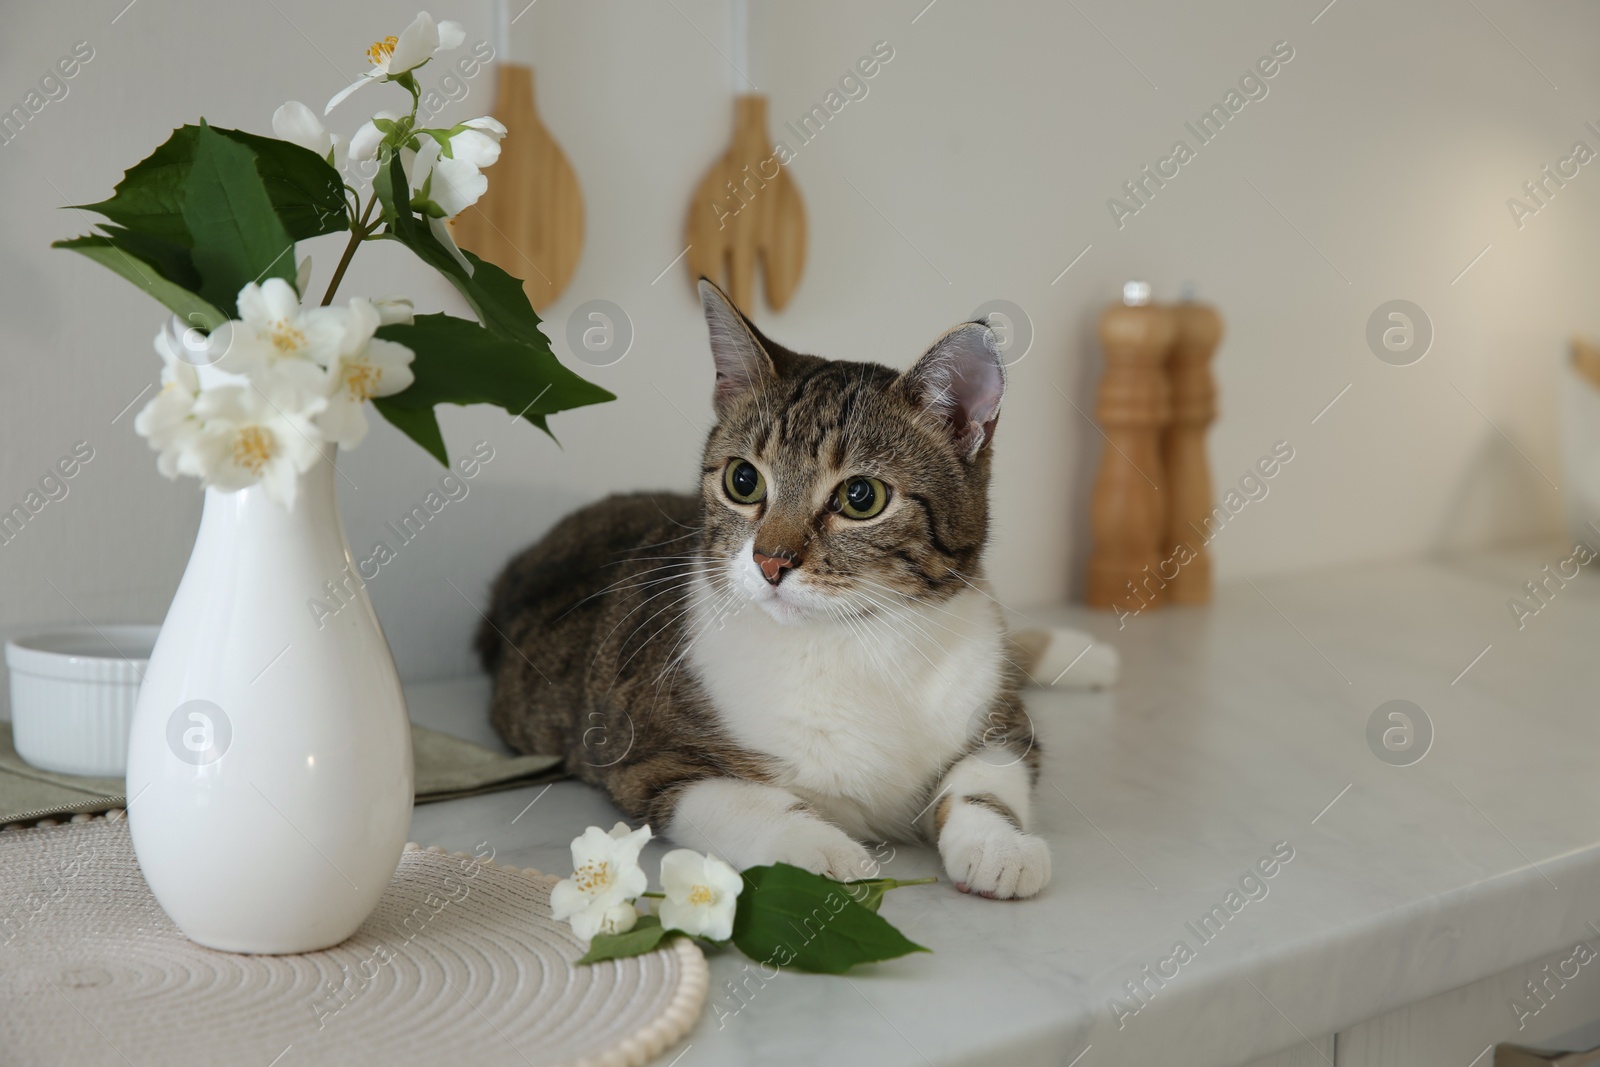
(606, 878)
(701, 894)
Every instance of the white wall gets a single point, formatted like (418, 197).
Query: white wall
(990, 143)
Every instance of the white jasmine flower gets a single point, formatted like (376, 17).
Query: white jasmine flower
(168, 421)
(366, 367)
(249, 436)
(394, 309)
(395, 56)
(275, 339)
(419, 165)
(605, 874)
(364, 145)
(702, 892)
(489, 125)
(619, 919)
(298, 124)
(447, 175)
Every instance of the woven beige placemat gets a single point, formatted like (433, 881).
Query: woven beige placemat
(461, 963)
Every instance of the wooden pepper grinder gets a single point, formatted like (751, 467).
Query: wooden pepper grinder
(1183, 451)
(1126, 512)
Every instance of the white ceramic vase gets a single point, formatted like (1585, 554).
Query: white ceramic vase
(269, 761)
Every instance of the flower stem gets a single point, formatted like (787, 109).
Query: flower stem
(893, 883)
(358, 233)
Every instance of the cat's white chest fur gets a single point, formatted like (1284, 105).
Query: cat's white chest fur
(859, 718)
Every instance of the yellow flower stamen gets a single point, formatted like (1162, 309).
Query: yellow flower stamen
(701, 896)
(382, 50)
(593, 877)
(285, 338)
(362, 380)
(253, 448)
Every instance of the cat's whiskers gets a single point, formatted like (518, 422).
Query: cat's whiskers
(866, 638)
(717, 615)
(657, 544)
(675, 522)
(905, 617)
(694, 591)
(980, 589)
(1005, 654)
(676, 581)
(881, 628)
(624, 580)
(908, 602)
(682, 577)
(675, 613)
(655, 559)
(697, 596)
(1020, 666)
(639, 587)
(898, 611)
(682, 590)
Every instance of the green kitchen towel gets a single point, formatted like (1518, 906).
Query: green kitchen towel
(446, 768)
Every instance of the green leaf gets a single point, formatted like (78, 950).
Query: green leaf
(236, 233)
(644, 937)
(869, 892)
(306, 192)
(459, 362)
(109, 252)
(419, 424)
(175, 261)
(149, 198)
(793, 918)
(496, 297)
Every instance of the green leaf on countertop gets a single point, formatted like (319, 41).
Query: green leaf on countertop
(793, 918)
(868, 892)
(644, 937)
(307, 194)
(237, 236)
(112, 251)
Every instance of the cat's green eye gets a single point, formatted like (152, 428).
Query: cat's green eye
(861, 498)
(744, 483)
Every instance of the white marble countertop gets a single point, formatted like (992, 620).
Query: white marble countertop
(1234, 728)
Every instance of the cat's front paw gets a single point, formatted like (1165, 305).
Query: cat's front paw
(824, 849)
(985, 854)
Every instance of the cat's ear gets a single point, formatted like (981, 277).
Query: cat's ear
(742, 363)
(961, 380)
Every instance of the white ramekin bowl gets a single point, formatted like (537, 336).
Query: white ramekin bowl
(72, 696)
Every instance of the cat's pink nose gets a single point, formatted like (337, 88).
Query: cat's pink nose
(774, 566)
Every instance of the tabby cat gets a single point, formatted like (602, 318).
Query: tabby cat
(802, 656)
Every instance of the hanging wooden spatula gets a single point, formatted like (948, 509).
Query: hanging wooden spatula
(530, 222)
(746, 208)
